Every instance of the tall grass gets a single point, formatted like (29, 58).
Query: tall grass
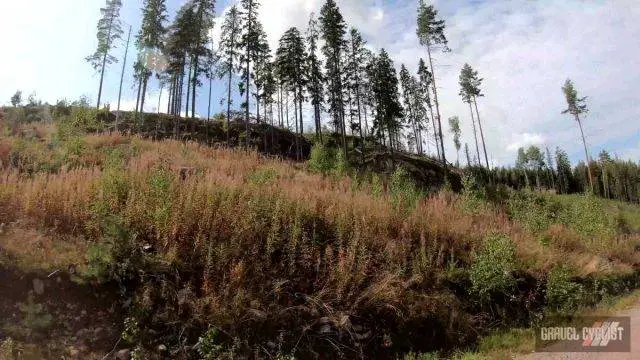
(268, 244)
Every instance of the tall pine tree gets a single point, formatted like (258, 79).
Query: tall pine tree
(333, 30)
(230, 51)
(430, 32)
(109, 31)
(577, 106)
(316, 79)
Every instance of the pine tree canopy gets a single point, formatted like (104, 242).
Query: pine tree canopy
(109, 31)
(430, 29)
(575, 105)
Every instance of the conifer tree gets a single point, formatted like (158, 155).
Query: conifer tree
(475, 94)
(261, 58)
(333, 30)
(316, 79)
(577, 106)
(454, 128)
(430, 32)
(230, 50)
(408, 96)
(204, 21)
(16, 99)
(109, 31)
(467, 92)
(150, 39)
(563, 169)
(355, 76)
(249, 43)
(292, 58)
(425, 82)
(387, 103)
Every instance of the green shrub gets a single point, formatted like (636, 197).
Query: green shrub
(404, 192)
(322, 159)
(563, 294)
(491, 272)
(587, 216)
(80, 121)
(209, 346)
(116, 257)
(473, 196)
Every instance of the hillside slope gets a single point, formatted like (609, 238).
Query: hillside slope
(251, 255)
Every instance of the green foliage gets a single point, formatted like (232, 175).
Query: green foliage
(377, 186)
(583, 214)
(160, 194)
(473, 195)
(79, 122)
(492, 269)
(322, 159)
(116, 257)
(586, 215)
(209, 346)
(563, 294)
(403, 190)
(326, 160)
(263, 176)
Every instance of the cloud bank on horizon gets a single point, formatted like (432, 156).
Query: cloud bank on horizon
(523, 49)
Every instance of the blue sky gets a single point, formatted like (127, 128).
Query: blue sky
(524, 49)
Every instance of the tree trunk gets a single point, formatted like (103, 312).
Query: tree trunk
(135, 113)
(475, 134)
(186, 108)
(435, 130)
(142, 97)
(248, 75)
(287, 108)
(194, 86)
(435, 94)
(295, 111)
(124, 64)
(300, 97)
(160, 96)
(484, 145)
(586, 153)
(104, 59)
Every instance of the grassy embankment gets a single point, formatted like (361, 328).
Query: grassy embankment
(279, 260)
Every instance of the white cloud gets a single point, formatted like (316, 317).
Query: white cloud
(524, 140)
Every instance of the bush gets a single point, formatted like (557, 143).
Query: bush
(562, 294)
(404, 191)
(321, 159)
(473, 196)
(80, 121)
(491, 273)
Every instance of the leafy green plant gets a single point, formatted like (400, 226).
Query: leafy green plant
(403, 190)
(563, 294)
(322, 159)
(209, 346)
(491, 272)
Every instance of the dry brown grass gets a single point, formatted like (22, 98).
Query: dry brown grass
(264, 235)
